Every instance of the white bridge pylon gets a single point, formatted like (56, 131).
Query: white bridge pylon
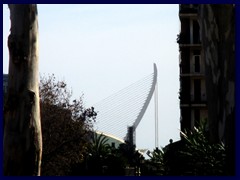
(126, 108)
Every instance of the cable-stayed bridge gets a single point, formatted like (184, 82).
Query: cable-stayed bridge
(120, 113)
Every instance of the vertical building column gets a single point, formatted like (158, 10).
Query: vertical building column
(191, 31)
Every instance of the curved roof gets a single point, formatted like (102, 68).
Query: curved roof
(111, 138)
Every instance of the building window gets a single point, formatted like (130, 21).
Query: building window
(197, 90)
(196, 63)
(196, 33)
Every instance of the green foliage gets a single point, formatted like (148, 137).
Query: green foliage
(70, 147)
(100, 159)
(155, 165)
(193, 155)
(103, 159)
(99, 146)
(203, 157)
(66, 127)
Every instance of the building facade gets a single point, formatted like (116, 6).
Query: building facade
(193, 98)
(207, 72)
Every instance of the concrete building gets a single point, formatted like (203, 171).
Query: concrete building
(193, 98)
(207, 72)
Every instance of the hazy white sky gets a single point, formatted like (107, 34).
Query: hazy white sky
(100, 49)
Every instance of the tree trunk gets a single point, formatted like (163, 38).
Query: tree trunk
(22, 141)
(217, 24)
